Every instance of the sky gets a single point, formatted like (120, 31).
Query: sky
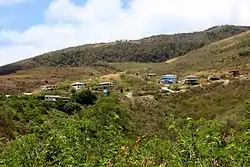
(32, 27)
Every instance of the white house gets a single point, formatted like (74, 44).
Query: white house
(78, 85)
(53, 98)
(106, 85)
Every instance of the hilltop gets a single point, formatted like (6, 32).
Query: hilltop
(151, 49)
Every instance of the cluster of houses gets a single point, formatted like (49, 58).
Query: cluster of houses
(104, 86)
(79, 86)
(169, 79)
(165, 80)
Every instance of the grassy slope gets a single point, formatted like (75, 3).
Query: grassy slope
(233, 52)
(152, 49)
(225, 104)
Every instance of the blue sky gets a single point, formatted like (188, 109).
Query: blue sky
(22, 16)
(32, 27)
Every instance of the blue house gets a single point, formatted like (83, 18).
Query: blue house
(168, 79)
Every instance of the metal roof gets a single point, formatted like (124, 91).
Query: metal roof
(77, 83)
(105, 83)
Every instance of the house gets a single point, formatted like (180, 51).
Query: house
(47, 87)
(151, 74)
(234, 73)
(52, 98)
(168, 79)
(28, 94)
(106, 85)
(78, 85)
(214, 77)
(192, 80)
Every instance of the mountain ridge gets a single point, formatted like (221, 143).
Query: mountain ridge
(157, 48)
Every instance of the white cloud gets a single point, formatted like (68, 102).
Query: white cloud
(97, 21)
(8, 2)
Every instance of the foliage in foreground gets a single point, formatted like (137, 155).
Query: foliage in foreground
(101, 135)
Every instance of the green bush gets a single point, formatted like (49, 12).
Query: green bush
(71, 107)
(85, 97)
(244, 51)
(175, 87)
(72, 90)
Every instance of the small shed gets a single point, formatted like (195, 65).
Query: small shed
(28, 94)
(47, 87)
(151, 74)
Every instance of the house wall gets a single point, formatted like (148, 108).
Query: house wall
(77, 87)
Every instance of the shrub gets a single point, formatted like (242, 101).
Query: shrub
(244, 52)
(6, 123)
(72, 90)
(63, 86)
(175, 87)
(71, 107)
(85, 97)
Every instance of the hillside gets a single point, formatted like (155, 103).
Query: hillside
(151, 49)
(232, 52)
(31, 79)
(223, 55)
(91, 130)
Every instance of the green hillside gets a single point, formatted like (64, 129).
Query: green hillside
(233, 52)
(221, 56)
(151, 49)
(116, 131)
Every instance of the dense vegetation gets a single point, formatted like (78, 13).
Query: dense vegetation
(152, 49)
(117, 131)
